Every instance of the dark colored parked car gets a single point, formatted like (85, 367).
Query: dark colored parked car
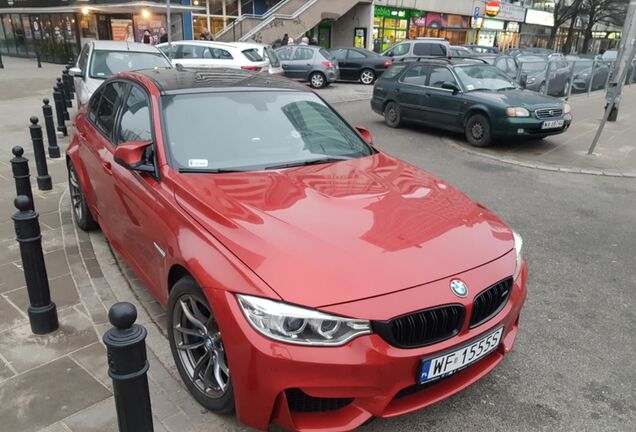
(482, 49)
(505, 63)
(460, 51)
(466, 96)
(357, 64)
(306, 63)
(588, 73)
(535, 68)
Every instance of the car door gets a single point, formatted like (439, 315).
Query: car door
(443, 107)
(340, 54)
(301, 63)
(96, 152)
(411, 92)
(356, 62)
(139, 229)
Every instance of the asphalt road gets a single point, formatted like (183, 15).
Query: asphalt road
(573, 365)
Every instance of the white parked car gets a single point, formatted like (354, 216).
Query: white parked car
(100, 59)
(208, 54)
(265, 51)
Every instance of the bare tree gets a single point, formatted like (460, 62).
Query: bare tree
(564, 10)
(602, 11)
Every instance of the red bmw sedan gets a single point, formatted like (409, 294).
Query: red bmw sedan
(311, 280)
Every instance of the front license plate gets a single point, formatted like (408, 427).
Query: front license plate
(552, 124)
(449, 363)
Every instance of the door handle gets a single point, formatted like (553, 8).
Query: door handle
(107, 167)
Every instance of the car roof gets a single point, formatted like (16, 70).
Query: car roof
(107, 45)
(180, 80)
(456, 61)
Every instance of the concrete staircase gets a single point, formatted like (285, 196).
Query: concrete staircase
(293, 17)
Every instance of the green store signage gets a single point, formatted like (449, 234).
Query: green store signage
(387, 12)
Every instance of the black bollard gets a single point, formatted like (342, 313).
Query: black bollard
(67, 89)
(1, 64)
(128, 367)
(43, 179)
(21, 175)
(42, 312)
(47, 111)
(71, 64)
(58, 99)
(60, 88)
(37, 56)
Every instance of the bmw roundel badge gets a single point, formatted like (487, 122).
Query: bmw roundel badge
(459, 288)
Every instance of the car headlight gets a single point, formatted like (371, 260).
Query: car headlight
(531, 80)
(519, 255)
(517, 112)
(566, 108)
(296, 325)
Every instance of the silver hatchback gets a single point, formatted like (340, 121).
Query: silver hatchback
(308, 63)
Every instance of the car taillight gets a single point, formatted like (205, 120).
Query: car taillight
(252, 68)
(327, 63)
(387, 63)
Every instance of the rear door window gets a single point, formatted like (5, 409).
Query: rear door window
(284, 53)
(422, 49)
(339, 54)
(303, 54)
(356, 55)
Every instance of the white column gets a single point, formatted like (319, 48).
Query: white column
(224, 7)
(240, 7)
(207, 14)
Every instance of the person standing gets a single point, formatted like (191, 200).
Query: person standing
(206, 35)
(285, 40)
(147, 38)
(163, 35)
(304, 41)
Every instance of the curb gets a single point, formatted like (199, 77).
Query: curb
(543, 167)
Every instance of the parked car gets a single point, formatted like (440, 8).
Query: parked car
(535, 67)
(464, 96)
(482, 49)
(308, 63)
(588, 73)
(269, 54)
(207, 54)
(357, 64)
(530, 51)
(419, 47)
(460, 51)
(609, 58)
(240, 203)
(99, 60)
(505, 63)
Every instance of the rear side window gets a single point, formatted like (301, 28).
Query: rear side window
(284, 53)
(252, 55)
(339, 54)
(191, 51)
(394, 70)
(416, 75)
(303, 54)
(111, 99)
(422, 49)
(438, 50)
(217, 54)
(356, 55)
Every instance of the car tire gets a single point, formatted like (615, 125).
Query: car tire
(392, 115)
(367, 76)
(317, 80)
(477, 131)
(81, 213)
(198, 362)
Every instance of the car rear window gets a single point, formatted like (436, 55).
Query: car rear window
(252, 55)
(107, 63)
(394, 70)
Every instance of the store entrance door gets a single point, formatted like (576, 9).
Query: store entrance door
(103, 27)
(324, 35)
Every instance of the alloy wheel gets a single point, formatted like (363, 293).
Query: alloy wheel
(199, 346)
(76, 193)
(477, 130)
(367, 77)
(317, 80)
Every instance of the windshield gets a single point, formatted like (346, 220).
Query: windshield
(581, 64)
(107, 63)
(276, 129)
(483, 77)
(532, 64)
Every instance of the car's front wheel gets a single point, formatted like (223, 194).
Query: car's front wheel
(81, 213)
(197, 347)
(367, 76)
(477, 131)
(317, 80)
(392, 115)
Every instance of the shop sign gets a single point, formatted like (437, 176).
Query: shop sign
(599, 35)
(386, 12)
(540, 18)
(492, 24)
(512, 27)
(492, 8)
(505, 12)
(614, 35)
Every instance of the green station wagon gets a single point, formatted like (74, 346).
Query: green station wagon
(469, 96)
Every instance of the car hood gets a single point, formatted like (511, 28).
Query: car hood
(333, 233)
(518, 97)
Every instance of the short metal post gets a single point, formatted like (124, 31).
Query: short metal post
(519, 73)
(43, 179)
(67, 89)
(37, 56)
(21, 175)
(589, 85)
(68, 79)
(1, 64)
(42, 311)
(609, 74)
(128, 367)
(60, 87)
(47, 111)
(570, 81)
(58, 100)
(71, 81)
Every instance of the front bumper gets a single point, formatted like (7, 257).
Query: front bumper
(367, 377)
(528, 126)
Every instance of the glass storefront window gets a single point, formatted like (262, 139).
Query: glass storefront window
(3, 40)
(8, 32)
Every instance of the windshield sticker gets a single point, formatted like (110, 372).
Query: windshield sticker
(197, 163)
(470, 87)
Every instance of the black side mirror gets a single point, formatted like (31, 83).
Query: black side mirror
(450, 86)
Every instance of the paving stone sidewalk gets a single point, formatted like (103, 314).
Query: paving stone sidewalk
(59, 382)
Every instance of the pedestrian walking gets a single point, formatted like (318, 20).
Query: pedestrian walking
(284, 40)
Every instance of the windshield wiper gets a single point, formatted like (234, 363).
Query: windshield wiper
(208, 171)
(306, 162)
(481, 89)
